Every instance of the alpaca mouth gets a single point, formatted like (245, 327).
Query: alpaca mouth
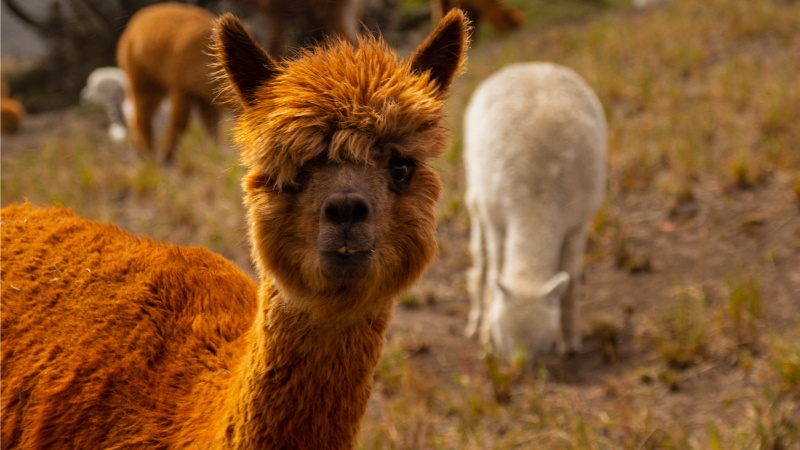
(346, 251)
(345, 263)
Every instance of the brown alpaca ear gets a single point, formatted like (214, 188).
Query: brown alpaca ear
(246, 64)
(444, 51)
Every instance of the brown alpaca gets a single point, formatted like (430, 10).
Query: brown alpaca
(11, 111)
(317, 19)
(112, 341)
(503, 17)
(165, 52)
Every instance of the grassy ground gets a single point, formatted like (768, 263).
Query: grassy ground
(692, 302)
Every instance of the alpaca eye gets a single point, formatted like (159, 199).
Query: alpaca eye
(400, 170)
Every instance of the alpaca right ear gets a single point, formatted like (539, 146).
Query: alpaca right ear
(444, 51)
(246, 64)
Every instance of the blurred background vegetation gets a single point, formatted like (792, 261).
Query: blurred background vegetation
(81, 35)
(78, 36)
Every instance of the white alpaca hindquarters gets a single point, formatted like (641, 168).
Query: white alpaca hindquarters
(535, 158)
(106, 87)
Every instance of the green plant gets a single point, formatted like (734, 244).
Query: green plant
(683, 341)
(747, 173)
(608, 335)
(148, 178)
(776, 421)
(624, 257)
(744, 309)
(784, 357)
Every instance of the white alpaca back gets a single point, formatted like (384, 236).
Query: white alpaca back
(535, 157)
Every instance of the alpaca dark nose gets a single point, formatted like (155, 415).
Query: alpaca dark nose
(347, 208)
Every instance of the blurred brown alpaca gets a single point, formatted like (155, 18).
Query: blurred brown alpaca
(112, 341)
(165, 51)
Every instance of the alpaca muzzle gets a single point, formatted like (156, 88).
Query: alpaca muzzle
(346, 235)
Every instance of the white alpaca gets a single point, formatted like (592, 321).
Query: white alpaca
(106, 87)
(535, 155)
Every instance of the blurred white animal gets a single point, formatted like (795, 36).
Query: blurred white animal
(535, 159)
(106, 87)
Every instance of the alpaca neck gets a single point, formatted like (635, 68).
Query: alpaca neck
(520, 268)
(301, 383)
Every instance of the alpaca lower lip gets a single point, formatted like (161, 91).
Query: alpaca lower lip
(345, 265)
(348, 255)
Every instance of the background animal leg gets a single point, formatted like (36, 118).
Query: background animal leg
(572, 263)
(344, 18)
(476, 277)
(277, 34)
(145, 103)
(209, 114)
(494, 239)
(179, 118)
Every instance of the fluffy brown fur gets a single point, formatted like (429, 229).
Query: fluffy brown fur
(164, 51)
(503, 17)
(316, 18)
(112, 341)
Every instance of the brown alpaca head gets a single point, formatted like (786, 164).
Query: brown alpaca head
(337, 145)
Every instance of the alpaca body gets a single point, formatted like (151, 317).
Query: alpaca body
(501, 16)
(165, 53)
(106, 87)
(113, 341)
(535, 151)
(160, 322)
(174, 321)
(314, 18)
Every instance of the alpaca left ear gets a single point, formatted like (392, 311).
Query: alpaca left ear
(246, 64)
(443, 52)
